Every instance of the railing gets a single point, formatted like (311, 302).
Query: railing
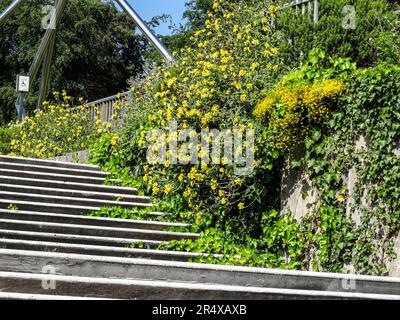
(103, 109)
(311, 7)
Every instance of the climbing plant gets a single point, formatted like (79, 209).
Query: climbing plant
(367, 219)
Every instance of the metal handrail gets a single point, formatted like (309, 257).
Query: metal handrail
(103, 109)
(107, 99)
(303, 4)
(146, 30)
(9, 10)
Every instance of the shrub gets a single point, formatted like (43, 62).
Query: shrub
(6, 136)
(58, 128)
(213, 86)
(281, 245)
(304, 99)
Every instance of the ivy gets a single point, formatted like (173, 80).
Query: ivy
(370, 111)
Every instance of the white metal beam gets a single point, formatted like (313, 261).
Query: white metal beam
(145, 29)
(9, 10)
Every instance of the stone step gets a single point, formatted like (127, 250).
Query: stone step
(87, 220)
(27, 296)
(105, 251)
(125, 268)
(158, 290)
(51, 163)
(51, 176)
(97, 231)
(52, 170)
(74, 193)
(75, 239)
(56, 184)
(80, 202)
(52, 207)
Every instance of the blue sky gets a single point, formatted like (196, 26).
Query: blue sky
(147, 9)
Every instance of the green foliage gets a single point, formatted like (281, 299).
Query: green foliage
(122, 213)
(6, 136)
(279, 245)
(112, 157)
(375, 38)
(57, 129)
(370, 110)
(8, 96)
(320, 66)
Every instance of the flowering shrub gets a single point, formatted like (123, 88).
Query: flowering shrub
(58, 128)
(291, 111)
(6, 135)
(213, 86)
(303, 99)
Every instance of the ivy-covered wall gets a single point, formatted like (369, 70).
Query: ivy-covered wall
(352, 166)
(299, 196)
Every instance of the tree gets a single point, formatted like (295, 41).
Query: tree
(96, 51)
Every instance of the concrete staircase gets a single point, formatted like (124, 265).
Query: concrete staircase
(50, 250)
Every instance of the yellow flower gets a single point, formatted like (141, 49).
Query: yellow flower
(214, 184)
(237, 85)
(114, 139)
(168, 189)
(199, 217)
(340, 198)
(215, 5)
(241, 206)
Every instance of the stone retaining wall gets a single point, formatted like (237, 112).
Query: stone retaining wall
(298, 197)
(75, 157)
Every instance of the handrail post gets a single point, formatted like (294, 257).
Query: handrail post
(316, 11)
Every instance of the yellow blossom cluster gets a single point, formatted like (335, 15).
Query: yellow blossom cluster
(291, 110)
(213, 86)
(57, 128)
